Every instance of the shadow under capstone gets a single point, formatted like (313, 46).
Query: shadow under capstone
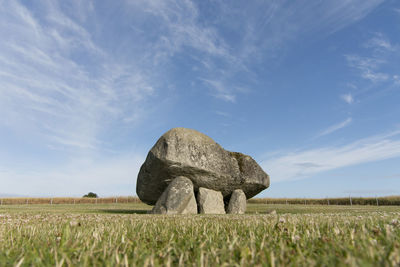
(123, 211)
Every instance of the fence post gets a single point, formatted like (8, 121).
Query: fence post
(328, 201)
(96, 200)
(377, 201)
(26, 201)
(74, 201)
(51, 201)
(116, 200)
(286, 202)
(351, 202)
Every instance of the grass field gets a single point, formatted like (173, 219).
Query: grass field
(123, 235)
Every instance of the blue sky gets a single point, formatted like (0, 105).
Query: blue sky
(310, 89)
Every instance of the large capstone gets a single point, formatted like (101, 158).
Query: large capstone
(177, 198)
(210, 201)
(237, 202)
(189, 153)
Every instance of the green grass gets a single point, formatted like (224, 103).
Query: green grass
(121, 235)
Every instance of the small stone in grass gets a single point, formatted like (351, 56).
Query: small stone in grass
(74, 223)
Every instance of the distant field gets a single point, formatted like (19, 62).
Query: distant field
(67, 200)
(377, 201)
(122, 235)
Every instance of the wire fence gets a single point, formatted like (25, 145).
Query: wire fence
(376, 201)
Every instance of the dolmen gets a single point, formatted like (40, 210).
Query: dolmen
(187, 172)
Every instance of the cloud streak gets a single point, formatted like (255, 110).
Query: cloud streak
(367, 67)
(306, 163)
(271, 28)
(335, 127)
(219, 90)
(382, 52)
(379, 43)
(103, 176)
(284, 21)
(60, 96)
(348, 98)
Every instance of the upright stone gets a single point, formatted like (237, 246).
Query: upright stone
(237, 203)
(210, 201)
(178, 198)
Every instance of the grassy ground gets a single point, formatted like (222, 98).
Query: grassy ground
(121, 234)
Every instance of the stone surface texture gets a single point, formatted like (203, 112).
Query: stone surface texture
(210, 201)
(237, 202)
(189, 153)
(177, 198)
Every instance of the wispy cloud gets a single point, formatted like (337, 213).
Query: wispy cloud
(180, 30)
(284, 21)
(335, 127)
(271, 28)
(103, 176)
(396, 79)
(379, 43)
(222, 113)
(368, 66)
(306, 163)
(370, 192)
(376, 68)
(348, 98)
(181, 27)
(219, 90)
(62, 96)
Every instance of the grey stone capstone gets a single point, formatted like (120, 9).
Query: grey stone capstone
(189, 153)
(178, 198)
(210, 201)
(237, 203)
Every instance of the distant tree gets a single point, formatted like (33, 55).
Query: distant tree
(91, 194)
